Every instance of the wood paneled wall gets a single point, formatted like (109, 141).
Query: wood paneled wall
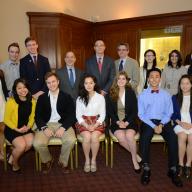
(57, 33)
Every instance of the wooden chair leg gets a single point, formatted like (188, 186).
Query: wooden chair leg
(106, 152)
(102, 146)
(71, 157)
(76, 154)
(5, 155)
(39, 162)
(36, 161)
(111, 142)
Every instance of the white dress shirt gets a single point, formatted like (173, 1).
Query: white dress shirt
(96, 106)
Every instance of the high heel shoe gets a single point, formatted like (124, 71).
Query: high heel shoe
(181, 170)
(137, 170)
(87, 168)
(187, 172)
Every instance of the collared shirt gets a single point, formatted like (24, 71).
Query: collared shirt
(55, 117)
(99, 58)
(155, 106)
(124, 61)
(32, 56)
(11, 73)
(73, 71)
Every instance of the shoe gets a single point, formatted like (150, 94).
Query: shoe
(180, 170)
(187, 172)
(176, 180)
(145, 178)
(46, 167)
(87, 168)
(93, 167)
(137, 170)
(65, 169)
(16, 169)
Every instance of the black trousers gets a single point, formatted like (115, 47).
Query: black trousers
(169, 136)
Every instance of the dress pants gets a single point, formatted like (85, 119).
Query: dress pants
(41, 144)
(169, 136)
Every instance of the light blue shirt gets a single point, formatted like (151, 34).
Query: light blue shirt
(155, 106)
(73, 71)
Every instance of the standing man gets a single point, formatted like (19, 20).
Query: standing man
(70, 76)
(155, 110)
(127, 64)
(102, 67)
(11, 67)
(54, 117)
(33, 68)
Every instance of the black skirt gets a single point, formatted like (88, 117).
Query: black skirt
(114, 127)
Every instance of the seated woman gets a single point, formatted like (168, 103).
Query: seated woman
(3, 97)
(182, 116)
(90, 114)
(19, 119)
(122, 110)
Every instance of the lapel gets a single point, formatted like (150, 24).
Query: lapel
(126, 66)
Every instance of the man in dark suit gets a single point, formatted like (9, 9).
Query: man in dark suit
(33, 68)
(188, 59)
(54, 117)
(102, 67)
(70, 76)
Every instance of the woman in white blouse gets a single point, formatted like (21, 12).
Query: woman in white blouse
(90, 114)
(182, 116)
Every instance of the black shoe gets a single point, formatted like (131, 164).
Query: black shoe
(145, 178)
(187, 172)
(137, 170)
(176, 180)
(180, 171)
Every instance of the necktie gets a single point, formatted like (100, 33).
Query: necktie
(99, 64)
(71, 77)
(121, 65)
(154, 91)
(35, 60)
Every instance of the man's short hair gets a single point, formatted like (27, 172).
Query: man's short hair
(123, 44)
(13, 45)
(154, 69)
(50, 74)
(29, 39)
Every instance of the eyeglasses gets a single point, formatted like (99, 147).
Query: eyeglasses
(121, 49)
(149, 55)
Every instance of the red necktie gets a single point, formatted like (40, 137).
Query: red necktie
(99, 64)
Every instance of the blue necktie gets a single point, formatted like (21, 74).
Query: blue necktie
(71, 77)
(121, 66)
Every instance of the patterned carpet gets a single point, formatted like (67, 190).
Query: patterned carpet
(121, 178)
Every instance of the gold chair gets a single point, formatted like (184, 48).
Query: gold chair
(102, 139)
(7, 143)
(156, 139)
(55, 141)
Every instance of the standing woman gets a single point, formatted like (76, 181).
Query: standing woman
(122, 110)
(182, 116)
(19, 119)
(3, 97)
(90, 114)
(149, 63)
(172, 72)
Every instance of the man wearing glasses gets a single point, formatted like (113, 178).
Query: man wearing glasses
(127, 64)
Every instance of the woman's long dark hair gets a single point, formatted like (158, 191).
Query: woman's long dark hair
(180, 92)
(14, 91)
(154, 61)
(179, 62)
(83, 93)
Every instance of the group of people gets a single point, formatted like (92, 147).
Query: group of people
(114, 96)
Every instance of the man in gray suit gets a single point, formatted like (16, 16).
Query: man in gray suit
(127, 64)
(70, 76)
(102, 67)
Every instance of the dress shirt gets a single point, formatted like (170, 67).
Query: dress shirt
(11, 73)
(99, 58)
(54, 114)
(96, 106)
(73, 71)
(124, 61)
(155, 106)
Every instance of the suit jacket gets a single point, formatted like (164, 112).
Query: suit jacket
(188, 60)
(106, 77)
(33, 75)
(65, 85)
(131, 67)
(176, 110)
(3, 84)
(65, 108)
(131, 108)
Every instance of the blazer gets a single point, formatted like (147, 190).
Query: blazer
(33, 75)
(131, 108)
(65, 108)
(176, 110)
(106, 77)
(11, 114)
(131, 67)
(65, 85)
(188, 60)
(4, 87)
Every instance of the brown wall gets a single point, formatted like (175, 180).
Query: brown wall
(58, 33)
